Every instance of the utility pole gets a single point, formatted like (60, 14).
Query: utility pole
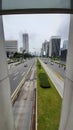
(6, 116)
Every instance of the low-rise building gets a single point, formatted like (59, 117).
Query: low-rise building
(11, 46)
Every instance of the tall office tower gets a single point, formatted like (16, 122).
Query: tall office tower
(45, 48)
(65, 44)
(26, 42)
(54, 46)
(64, 50)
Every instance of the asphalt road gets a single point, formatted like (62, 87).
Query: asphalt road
(56, 68)
(23, 110)
(17, 73)
(55, 78)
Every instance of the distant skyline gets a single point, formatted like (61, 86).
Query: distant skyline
(40, 27)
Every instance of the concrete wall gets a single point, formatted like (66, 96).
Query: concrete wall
(6, 116)
(66, 122)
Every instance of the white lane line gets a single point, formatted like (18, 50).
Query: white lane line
(32, 75)
(15, 78)
(16, 73)
(23, 73)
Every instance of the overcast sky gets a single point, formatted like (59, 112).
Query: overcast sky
(40, 27)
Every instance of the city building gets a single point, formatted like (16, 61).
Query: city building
(45, 48)
(11, 46)
(65, 44)
(26, 42)
(21, 49)
(54, 46)
(64, 50)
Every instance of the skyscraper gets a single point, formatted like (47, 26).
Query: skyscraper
(26, 42)
(45, 48)
(64, 50)
(65, 44)
(54, 46)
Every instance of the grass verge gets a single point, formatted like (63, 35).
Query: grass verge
(48, 103)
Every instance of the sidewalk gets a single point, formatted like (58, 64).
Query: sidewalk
(58, 82)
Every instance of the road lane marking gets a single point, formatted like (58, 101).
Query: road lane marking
(14, 95)
(57, 74)
(16, 73)
(23, 73)
(15, 78)
(32, 75)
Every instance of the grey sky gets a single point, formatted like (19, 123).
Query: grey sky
(40, 27)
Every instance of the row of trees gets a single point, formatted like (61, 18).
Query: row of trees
(22, 55)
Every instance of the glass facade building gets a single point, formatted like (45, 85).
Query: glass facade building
(54, 47)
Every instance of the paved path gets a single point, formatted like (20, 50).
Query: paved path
(57, 81)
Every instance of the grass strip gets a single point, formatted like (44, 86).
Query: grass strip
(48, 103)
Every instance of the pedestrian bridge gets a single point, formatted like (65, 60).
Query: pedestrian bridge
(36, 6)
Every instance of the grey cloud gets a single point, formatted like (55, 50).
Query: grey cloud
(63, 30)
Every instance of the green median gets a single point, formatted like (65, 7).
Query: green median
(48, 102)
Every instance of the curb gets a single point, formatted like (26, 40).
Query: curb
(36, 105)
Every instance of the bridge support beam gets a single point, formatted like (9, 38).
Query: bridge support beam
(6, 117)
(66, 122)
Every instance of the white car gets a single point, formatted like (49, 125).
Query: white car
(52, 63)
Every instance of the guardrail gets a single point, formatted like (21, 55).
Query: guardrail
(18, 89)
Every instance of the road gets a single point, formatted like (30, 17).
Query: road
(23, 108)
(17, 73)
(56, 68)
(57, 80)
